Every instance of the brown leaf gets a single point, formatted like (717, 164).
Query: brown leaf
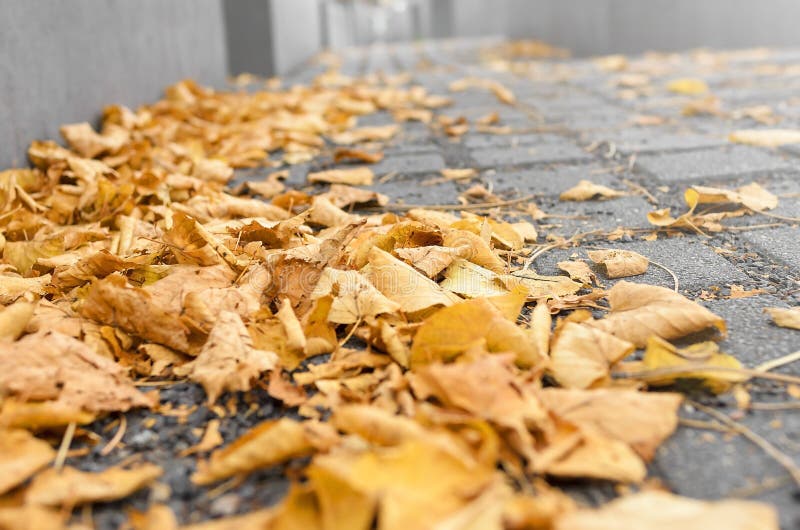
(228, 361)
(658, 510)
(458, 174)
(432, 259)
(211, 439)
(21, 456)
(620, 263)
(354, 297)
(579, 271)
(50, 366)
(751, 196)
(14, 319)
(348, 155)
(342, 195)
(29, 517)
(640, 311)
(363, 134)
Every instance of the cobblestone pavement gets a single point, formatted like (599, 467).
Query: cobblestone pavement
(576, 121)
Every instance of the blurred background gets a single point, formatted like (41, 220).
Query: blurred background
(61, 61)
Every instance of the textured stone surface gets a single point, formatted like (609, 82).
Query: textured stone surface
(528, 154)
(712, 163)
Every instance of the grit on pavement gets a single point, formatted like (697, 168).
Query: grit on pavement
(575, 121)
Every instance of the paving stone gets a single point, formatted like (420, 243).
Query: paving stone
(525, 155)
(782, 243)
(649, 140)
(730, 161)
(483, 140)
(410, 163)
(549, 180)
(695, 264)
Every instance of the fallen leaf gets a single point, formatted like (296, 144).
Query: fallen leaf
(363, 134)
(341, 195)
(459, 174)
(765, 137)
(579, 271)
(345, 154)
(658, 510)
(14, 319)
(354, 297)
(71, 487)
(587, 191)
(599, 457)
(432, 259)
(265, 445)
(29, 517)
(786, 318)
(688, 86)
(752, 196)
(21, 456)
(620, 263)
(737, 291)
(641, 311)
(211, 439)
(582, 356)
(228, 361)
(357, 176)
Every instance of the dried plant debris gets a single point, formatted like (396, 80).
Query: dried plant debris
(434, 379)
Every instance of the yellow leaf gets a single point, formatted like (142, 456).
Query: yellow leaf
(432, 259)
(641, 311)
(587, 191)
(459, 173)
(354, 297)
(599, 457)
(21, 455)
(470, 280)
(30, 517)
(765, 137)
(14, 318)
(539, 286)
(581, 356)
(688, 86)
(620, 263)
(785, 318)
(660, 354)
(659, 510)
(578, 271)
(70, 486)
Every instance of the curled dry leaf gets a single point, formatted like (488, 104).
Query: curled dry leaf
(459, 174)
(211, 439)
(21, 456)
(432, 259)
(596, 456)
(663, 218)
(641, 311)
(503, 94)
(785, 318)
(228, 360)
(348, 155)
(365, 134)
(341, 195)
(620, 263)
(751, 196)
(28, 517)
(658, 510)
(357, 176)
(765, 137)
(587, 191)
(14, 319)
(582, 356)
(71, 487)
(265, 445)
(354, 297)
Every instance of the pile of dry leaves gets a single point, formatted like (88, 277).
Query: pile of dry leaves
(456, 382)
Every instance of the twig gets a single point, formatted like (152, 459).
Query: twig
(387, 177)
(784, 460)
(689, 370)
(350, 333)
(753, 227)
(791, 405)
(113, 442)
(641, 189)
(674, 276)
(475, 206)
(700, 424)
(768, 484)
(63, 449)
(780, 361)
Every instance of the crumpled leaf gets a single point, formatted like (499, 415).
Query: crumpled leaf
(640, 311)
(620, 263)
(642, 420)
(688, 86)
(13, 287)
(596, 456)
(21, 456)
(785, 318)
(539, 286)
(363, 134)
(582, 356)
(588, 191)
(28, 517)
(658, 510)
(228, 361)
(357, 176)
(354, 297)
(53, 367)
(402, 284)
(432, 259)
(752, 196)
(690, 361)
(265, 445)
(342, 195)
(72, 487)
(412, 485)
(579, 271)
(83, 139)
(765, 137)
(345, 154)
(663, 218)
(459, 173)
(477, 323)
(470, 280)
(14, 319)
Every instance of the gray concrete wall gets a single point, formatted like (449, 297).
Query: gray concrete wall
(61, 61)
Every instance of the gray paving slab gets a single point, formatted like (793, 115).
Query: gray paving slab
(732, 161)
(564, 151)
(781, 243)
(551, 180)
